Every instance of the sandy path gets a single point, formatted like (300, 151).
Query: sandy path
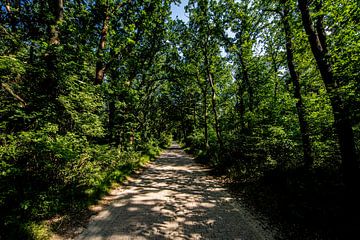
(174, 198)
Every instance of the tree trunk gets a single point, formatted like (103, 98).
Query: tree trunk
(12, 18)
(241, 106)
(112, 110)
(205, 118)
(57, 7)
(308, 158)
(275, 69)
(213, 101)
(340, 110)
(194, 113)
(243, 38)
(245, 75)
(58, 12)
(100, 65)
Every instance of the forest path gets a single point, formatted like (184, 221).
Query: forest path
(174, 198)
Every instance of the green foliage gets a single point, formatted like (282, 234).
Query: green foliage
(83, 104)
(37, 231)
(61, 170)
(165, 140)
(63, 139)
(244, 44)
(220, 83)
(10, 67)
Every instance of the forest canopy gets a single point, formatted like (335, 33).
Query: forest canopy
(265, 91)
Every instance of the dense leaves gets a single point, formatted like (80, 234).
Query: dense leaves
(265, 91)
(64, 138)
(263, 105)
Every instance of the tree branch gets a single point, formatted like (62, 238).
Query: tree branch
(9, 90)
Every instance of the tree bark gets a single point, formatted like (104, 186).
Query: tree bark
(244, 68)
(112, 110)
(50, 85)
(307, 151)
(213, 100)
(245, 75)
(204, 90)
(100, 65)
(12, 18)
(340, 109)
(275, 69)
(58, 12)
(241, 105)
(194, 113)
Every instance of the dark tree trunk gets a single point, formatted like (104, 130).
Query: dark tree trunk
(100, 65)
(58, 12)
(240, 105)
(214, 108)
(12, 17)
(308, 158)
(275, 69)
(204, 88)
(340, 110)
(51, 58)
(112, 110)
(243, 38)
(242, 112)
(205, 118)
(213, 100)
(245, 75)
(194, 113)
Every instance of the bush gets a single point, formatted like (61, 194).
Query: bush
(45, 173)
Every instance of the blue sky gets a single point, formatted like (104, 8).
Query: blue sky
(178, 11)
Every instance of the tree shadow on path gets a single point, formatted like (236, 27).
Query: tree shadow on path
(174, 198)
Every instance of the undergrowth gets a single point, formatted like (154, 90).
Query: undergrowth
(303, 203)
(46, 174)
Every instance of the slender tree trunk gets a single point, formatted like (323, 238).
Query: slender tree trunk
(112, 110)
(245, 75)
(100, 65)
(10, 12)
(204, 88)
(340, 109)
(241, 107)
(213, 100)
(275, 69)
(245, 27)
(58, 11)
(206, 137)
(51, 83)
(308, 158)
(194, 113)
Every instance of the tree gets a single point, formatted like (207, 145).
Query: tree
(343, 126)
(308, 158)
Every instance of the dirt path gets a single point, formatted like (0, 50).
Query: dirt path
(174, 198)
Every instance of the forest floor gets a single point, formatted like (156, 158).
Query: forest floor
(173, 198)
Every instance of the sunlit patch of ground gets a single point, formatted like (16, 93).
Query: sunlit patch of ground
(174, 198)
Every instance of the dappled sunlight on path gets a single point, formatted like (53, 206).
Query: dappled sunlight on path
(174, 198)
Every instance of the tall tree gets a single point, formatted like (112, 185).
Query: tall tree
(58, 16)
(343, 126)
(308, 158)
(100, 65)
(200, 20)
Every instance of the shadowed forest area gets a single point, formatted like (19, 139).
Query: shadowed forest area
(266, 92)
